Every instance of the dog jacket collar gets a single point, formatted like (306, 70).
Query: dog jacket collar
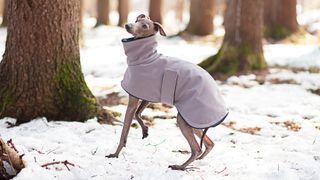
(154, 77)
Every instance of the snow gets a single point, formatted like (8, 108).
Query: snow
(275, 151)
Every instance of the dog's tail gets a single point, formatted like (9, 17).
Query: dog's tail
(203, 134)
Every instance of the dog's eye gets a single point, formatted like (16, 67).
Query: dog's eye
(144, 26)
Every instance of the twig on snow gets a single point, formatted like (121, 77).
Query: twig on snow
(66, 163)
(10, 144)
(218, 172)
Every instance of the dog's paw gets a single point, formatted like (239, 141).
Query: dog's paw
(112, 156)
(177, 167)
(145, 133)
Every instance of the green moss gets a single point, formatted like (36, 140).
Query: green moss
(231, 60)
(74, 98)
(7, 100)
(276, 32)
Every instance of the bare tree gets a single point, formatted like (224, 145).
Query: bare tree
(280, 18)
(40, 74)
(103, 8)
(155, 10)
(201, 17)
(241, 51)
(123, 9)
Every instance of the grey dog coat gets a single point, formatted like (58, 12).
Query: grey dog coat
(154, 77)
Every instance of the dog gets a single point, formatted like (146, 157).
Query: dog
(153, 77)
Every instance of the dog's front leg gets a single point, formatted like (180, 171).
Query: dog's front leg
(131, 109)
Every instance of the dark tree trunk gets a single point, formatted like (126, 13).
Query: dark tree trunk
(40, 74)
(201, 17)
(103, 7)
(280, 18)
(155, 10)
(4, 15)
(241, 50)
(123, 9)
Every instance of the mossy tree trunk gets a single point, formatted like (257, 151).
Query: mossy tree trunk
(280, 18)
(123, 9)
(4, 14)
(40, 74)
(156, 10)
(241, 50)
(201, 17)
(103, 8)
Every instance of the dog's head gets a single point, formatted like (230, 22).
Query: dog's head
(144, 27)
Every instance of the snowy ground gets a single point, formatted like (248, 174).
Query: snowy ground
(272, 132)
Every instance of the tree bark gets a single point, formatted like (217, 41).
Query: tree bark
(123, 9)
(241, 51)
(179, 10)
(103, 8)
(40, 74)
(4, 15)
(201, 17)
(156, 10)
(280, 18)
(81, 39)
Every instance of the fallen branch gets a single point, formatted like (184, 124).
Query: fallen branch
(66, 163)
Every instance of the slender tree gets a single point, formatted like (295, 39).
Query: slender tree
(40, 74)
(103, 7)
(123, 9)
(179, 10)
(156, 10)
(4, 14)
(201, 17)
(241, 50)
(280, 18)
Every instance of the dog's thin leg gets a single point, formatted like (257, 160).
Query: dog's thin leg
(141, 107)
(207, 142)
(131, 109)
(187, 132)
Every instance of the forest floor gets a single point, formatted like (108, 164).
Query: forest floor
(272, 132)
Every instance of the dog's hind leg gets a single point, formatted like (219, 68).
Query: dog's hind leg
(187, 132)
(141, 107)
(208, 143)
(131, 109)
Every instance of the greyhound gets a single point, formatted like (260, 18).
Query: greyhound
(142, 29)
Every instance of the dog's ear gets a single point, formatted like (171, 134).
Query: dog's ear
(158, 27)
(140, 16)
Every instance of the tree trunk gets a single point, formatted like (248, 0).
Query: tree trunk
(4, 15)
(280, 18)
(241, 50)
(103, 7)
(179, 10)
(155, 10)
(123, 9)
(40, 74)
(81, 39)
(201, 17)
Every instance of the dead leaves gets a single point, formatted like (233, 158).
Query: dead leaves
(289, 125)
(248, 130)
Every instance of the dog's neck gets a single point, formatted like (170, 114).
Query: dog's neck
(140, 50)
